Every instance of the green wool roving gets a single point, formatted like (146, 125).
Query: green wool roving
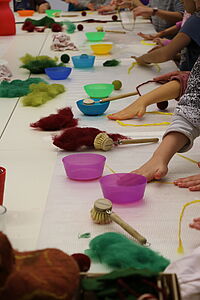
(46, 21)
(70, 26)
(41, 93)
(111, 63)
(127, 284)
(17, 88)
(37, 64)
(118, 252)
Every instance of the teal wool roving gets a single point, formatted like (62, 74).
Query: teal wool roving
(118, 252)
(17, 87)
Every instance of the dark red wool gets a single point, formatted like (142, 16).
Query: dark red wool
(56, 27)
(83, 261)
(63, 119)
(76, 138)
(28, 26)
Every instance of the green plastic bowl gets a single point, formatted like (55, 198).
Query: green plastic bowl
(99, 90)
(51, 12)
(95, 36)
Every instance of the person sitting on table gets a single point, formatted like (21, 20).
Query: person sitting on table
(38, 5)
(187, 41)
(179, 136)
(174, 87)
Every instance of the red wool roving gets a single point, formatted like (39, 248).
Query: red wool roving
(63, 119)
(83, 261)
(78, 138)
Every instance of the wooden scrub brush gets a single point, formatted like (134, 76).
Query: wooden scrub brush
(105, 143)
(102, 213)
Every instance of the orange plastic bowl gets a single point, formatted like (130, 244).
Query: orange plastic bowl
(25, 13)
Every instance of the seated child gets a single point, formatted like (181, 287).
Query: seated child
(179, 136)
(38, 5)
(187, 41)
(176, 83)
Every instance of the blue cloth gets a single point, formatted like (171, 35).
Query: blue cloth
(190, 53)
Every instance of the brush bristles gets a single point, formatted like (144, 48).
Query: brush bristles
(100, 217)
(103, 142)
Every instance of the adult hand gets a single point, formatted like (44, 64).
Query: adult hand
(134, 109)
(143, 11)
(106, 8)
(43, 7)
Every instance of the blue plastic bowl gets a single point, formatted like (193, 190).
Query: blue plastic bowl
(92, 109)
(83, 61)
(58, 73)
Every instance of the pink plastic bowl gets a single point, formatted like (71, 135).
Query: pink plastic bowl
(84, 166)
(122, 188)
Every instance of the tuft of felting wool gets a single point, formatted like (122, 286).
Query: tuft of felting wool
(37, 64)
(118, 252)
(17, 88)
(55, 27)
(46, 21)
(70, 27)
(78, 138)
(111, 63)
(63, 119)
(41, 93)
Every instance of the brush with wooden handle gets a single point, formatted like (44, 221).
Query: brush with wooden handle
(102, 213)
(89, 101)
(103, 142)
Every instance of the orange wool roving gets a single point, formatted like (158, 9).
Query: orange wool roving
(36, 275)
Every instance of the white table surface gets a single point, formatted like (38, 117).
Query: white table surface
(45, 209)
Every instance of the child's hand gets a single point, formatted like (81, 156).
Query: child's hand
(148, 37)
(190, 182)
(152, 169)
(140, 61)
(134, 109)
(195, 224)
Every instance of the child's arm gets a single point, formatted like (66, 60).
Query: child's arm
(166, 53)
(168, 91)
(169, 31)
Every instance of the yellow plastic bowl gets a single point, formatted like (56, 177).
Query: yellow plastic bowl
(101, 49)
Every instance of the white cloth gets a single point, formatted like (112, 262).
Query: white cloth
(187, 270)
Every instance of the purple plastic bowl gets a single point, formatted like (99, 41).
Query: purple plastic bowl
(122, 188)
(84, 166)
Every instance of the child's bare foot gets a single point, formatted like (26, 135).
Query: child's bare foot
(191, 182)
(131, 111)
(152, 170)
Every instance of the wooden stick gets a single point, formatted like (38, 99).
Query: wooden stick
(118, 97)
(138, 141)
(115, 31)
(142, 240)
